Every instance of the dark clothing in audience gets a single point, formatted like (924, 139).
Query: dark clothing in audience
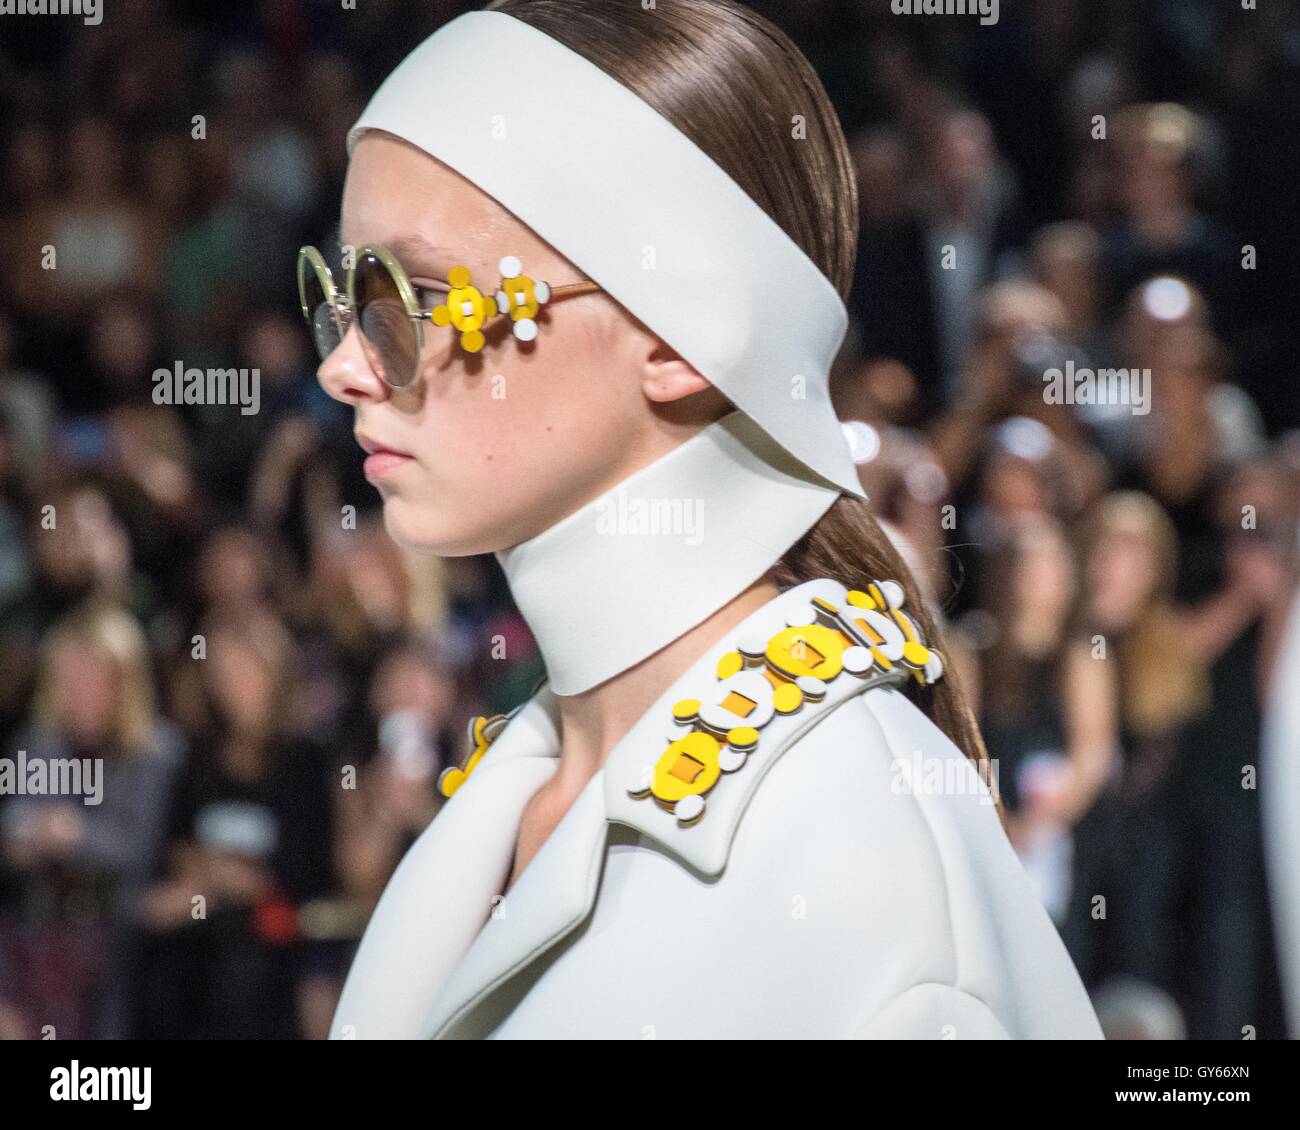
(233, 974)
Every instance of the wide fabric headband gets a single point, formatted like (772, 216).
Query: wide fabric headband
(631, 201)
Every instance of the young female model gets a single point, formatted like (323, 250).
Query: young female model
(600, 256)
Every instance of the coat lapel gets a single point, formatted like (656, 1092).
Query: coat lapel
(554, 893)
(445, 886)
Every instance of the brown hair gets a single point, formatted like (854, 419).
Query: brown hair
(1007, 684)
(737, 86)
(1163, 684)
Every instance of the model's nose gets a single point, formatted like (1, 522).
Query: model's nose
(346, 374)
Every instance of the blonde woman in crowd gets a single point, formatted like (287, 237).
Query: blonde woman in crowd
(86, 858)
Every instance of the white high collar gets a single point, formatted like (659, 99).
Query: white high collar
(638, 567)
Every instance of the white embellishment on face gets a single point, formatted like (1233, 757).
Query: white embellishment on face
(934, 668)
(467, 308)
(543, 292)
(511, 267)
(503, 303)
(526, 329)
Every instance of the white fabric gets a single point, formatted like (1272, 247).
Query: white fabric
(821, 895)
(1280, 802)
(635, 569)
(636, 205)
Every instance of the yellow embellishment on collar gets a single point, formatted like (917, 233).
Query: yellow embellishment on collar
(483, 731)
(870, 638)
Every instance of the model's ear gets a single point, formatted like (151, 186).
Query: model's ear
(666, 377)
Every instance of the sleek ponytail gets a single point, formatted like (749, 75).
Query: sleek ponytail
(849, 546)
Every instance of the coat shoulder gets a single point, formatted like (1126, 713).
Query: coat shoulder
(875, 807)
(835, 805)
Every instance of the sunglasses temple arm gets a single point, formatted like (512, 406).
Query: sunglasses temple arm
(568, 290)
(572, 290)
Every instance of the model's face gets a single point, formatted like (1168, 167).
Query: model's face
(495, 446)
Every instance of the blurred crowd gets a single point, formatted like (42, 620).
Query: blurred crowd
(207, 601)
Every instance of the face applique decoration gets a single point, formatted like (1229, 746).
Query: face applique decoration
(518, 297)
(467, 309)
(521, 298)
(869, 636)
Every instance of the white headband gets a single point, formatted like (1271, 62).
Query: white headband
(630, 200)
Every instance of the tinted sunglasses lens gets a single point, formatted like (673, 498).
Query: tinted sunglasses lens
(325, 329)
(388, 333)
(316, 307)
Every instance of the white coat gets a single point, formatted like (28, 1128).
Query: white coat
(849, 879)
(1280, 800)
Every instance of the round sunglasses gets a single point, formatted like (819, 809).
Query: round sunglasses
(390, 317)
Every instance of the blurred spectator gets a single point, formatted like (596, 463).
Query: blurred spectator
(1231, 973)
(251, 835)
(1133, 1010)
(80, 549)
(1160, 230)
(1199, 427)
(1153, 666)
(82, 861)
(411, 702)
(1065, 259)
(950, 241)
(1047, 716)
(26, 410)
(92, 237)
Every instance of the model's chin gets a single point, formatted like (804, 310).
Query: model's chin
(421, 528)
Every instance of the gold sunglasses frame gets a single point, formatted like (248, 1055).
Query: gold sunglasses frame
(344, 312)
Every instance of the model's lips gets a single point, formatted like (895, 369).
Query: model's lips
(381, 461)
(384, 463)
